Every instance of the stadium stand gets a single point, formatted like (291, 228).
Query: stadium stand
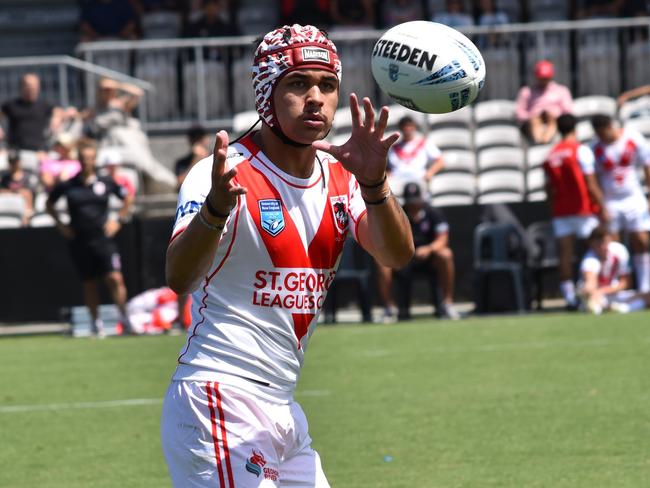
(459, 161)
(453, 189)
(501, 158)
(460, 118)
(500, 112)
(12, 210)
(451, 139)
(497, 135)
(543, 257)
(535, 185)
(501, 186)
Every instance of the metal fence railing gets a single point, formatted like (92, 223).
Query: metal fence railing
(208, 80)
(65, 80)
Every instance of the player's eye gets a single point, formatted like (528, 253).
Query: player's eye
(328, 86)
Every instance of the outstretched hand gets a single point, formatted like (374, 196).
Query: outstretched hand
(223, 194)
(365, 153)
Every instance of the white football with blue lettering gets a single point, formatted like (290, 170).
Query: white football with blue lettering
(428, 67)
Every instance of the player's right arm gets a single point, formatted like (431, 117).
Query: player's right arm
(191, 252)
(588, 166)
(55, 194)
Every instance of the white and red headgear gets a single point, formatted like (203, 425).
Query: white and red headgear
(284, 50)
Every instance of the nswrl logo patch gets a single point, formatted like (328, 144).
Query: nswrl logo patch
(271, 217)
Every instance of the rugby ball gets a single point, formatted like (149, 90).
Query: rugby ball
(428, 67)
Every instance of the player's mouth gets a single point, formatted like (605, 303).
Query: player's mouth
(314, 120)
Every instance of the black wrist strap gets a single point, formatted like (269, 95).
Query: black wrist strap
(375, 185)
(213, 211)
(376, 202)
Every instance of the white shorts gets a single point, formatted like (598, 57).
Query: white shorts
(215, 435)
(576, 225)
(630, 214)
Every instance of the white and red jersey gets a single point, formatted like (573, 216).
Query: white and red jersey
(609, 271)
(616, 165)
(258, 305)
(410, 160)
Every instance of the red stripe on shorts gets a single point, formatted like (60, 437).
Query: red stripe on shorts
(215, 439)
(224, 439)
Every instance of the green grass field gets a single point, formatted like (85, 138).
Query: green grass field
(535, 401)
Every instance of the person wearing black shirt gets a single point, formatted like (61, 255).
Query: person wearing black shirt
(432, 257)
(90, 232)
(29, 118)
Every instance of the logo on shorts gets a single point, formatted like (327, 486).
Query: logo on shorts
(271, 216)
(255, 463)
(340, 210)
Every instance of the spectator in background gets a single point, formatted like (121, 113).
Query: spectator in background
(61, 164)
(107, 19)
(568, 196)
(21, 182)
(212, 23)
(312, 12)
(30, 118)
(90, 233)
(454, 15)
(352, 14)
(110, 160)
(619, 153)
(637, 92)
(395, 12)
(413, 158)
(199, 141)
(604, 272)
(490, 15)
(539, 106)
(432, 256)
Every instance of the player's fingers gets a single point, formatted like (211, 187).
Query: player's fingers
(369, 113)
(220, 150)
(390, 140)
(227, 176)
(355, 111)
(382, 122)
(238, 190)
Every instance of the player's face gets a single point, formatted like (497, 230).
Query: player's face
(607, 134)
(87, 158)
(600, 247)
(305, 102)
(408, 131)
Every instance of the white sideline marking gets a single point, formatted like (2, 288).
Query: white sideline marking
(135, 402)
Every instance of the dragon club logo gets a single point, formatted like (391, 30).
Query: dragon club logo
(339, 206)
(256, 464)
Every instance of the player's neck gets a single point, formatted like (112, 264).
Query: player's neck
(295, 161)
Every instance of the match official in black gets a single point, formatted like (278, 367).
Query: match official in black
(90, 232)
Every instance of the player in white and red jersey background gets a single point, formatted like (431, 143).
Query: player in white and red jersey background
(573, 207)
(604, 272)
(618, 155)
(259, 230)
(413, 158)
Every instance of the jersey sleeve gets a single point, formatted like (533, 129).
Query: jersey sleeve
(590, 264)
(116, 189)
(392, 159)
(586, 159)
(192, 194)
(643, 148)
(624, 257)
(438, 221)
(356, 207)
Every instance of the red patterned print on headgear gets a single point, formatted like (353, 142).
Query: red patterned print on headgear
(284, 50)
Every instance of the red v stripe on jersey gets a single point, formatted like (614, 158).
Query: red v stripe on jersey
(284, 249)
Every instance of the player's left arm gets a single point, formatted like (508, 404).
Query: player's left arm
(383, 230)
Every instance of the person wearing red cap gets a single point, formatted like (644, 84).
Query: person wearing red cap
(539, 106)
(259, 231)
